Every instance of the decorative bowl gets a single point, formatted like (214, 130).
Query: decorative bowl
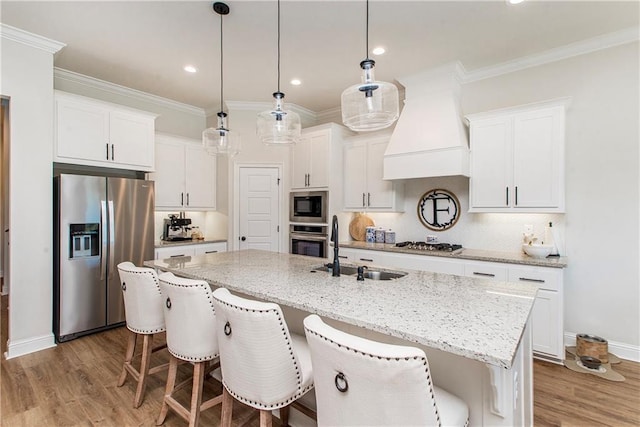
(537, 250)
(590, 362)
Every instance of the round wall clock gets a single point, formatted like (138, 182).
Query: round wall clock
(438, 209)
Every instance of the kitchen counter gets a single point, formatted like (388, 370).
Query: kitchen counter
(464, 253)
(469, 317)
(164, 244)
(476, 333)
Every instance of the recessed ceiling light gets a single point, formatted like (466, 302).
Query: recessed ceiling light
(296, 82)
(514, 1)
(378, 50)
(190, 69)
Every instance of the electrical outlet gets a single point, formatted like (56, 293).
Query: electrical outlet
(528, 229)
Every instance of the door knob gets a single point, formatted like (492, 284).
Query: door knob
(243, 238)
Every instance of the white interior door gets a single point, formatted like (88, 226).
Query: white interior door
(259, 210)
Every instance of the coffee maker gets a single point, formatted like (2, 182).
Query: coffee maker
(176, 228)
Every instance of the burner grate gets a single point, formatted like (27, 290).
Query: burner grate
(424, 246)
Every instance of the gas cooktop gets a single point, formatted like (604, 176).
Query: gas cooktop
(424, 246)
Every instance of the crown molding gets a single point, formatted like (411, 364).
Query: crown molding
(117, 89)
(617, 38)
(16, 34)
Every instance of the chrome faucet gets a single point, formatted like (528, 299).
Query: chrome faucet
(334, 238)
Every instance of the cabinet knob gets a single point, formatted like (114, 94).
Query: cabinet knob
(243, 238)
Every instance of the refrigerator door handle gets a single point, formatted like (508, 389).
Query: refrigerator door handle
(103, 230)
(112, 236)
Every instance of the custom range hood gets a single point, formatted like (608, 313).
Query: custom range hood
(429, 139)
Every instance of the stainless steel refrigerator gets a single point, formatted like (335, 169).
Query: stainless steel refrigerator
(98, 223)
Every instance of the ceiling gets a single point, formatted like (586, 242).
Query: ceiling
(145, 45)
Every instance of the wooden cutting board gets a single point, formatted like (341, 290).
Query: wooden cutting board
(358, 227)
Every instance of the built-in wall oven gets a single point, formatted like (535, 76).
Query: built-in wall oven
(308, 240)
(308, 207)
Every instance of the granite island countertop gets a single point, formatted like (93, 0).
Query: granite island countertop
(474, 318)
(464, 253)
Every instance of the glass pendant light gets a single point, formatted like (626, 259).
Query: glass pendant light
(221, 140)
(278, 126)
(370, 105)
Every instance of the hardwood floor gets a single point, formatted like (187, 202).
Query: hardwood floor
(75, 384)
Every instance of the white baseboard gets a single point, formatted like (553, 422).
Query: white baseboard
(620, 349)
(31, 345)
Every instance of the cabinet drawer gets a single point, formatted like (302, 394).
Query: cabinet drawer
(210, 248)
(174, 252)
(545, 278)
(486, 270)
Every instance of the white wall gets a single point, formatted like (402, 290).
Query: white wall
(27, 77)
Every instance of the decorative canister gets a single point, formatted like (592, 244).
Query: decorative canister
(370, 233)
(379, 235)
(389, 236)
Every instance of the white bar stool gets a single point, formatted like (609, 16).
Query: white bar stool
(191, 336)
(143, 312)
(368, 383)
(263, 365)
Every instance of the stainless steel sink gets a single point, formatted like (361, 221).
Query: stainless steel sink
(351, 270)
(347, 270)
(383, 275)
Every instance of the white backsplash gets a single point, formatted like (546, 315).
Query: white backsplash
(497, 232)
(212, 224)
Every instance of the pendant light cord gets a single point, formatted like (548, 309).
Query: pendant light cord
(278, 45)
(367, 33)
(221, 68)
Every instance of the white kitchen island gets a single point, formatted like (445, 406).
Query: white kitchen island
(475, 332)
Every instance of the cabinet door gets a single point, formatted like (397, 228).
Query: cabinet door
(355, 155)
(82, 130)
(547, 316)
(200, 178)
(169, 174)
(537, 158)
(132, 139)
(380, 193)
(491, 163)
(319, 159)
(545, 324)
(300, 156)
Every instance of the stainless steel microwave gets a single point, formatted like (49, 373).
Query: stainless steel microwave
(308, 206)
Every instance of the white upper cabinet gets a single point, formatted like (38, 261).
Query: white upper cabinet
(310, 160)
(96, 133)
(364, 188)
(517, 159)
(185, 175)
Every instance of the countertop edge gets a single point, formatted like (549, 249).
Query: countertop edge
(465, 253)
(164, 244)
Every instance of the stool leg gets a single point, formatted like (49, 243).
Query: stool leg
(196, 392)
(284, 416)
(131, 347)
(171, 382)
(227, 408)
(147, 348)
(265, 418)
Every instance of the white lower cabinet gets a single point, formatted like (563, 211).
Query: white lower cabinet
(176, 251)
(548, 310)
(547, 317)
